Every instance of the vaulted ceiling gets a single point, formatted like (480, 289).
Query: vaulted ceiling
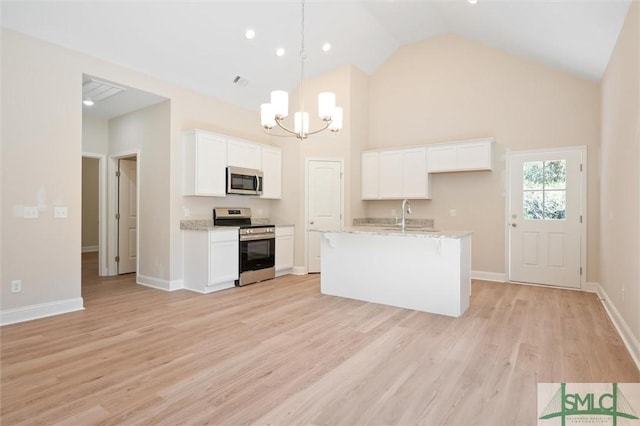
(202, 45)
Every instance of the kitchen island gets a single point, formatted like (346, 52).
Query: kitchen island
(423, 270)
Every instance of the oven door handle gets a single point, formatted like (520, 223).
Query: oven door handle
(257, 237)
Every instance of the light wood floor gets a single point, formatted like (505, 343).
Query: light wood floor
(279, 352)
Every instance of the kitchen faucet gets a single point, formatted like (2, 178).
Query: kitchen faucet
(406, 208)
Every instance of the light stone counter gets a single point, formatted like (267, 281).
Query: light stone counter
(397, 232)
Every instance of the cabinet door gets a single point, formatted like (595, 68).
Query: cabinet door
(414, 173)
(442, 158)
(272, 173)
(369, 176)
(224, 262)
(474, 156)
(244, 154)
(284, 248)
(205, 163)
(390, 174)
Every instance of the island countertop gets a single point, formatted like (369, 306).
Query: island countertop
(397, 232)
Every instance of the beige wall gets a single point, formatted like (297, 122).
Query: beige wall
(95, 135)
(42, 150)
(620, 175)
(90, 212)
(448, 88)
(147, 132)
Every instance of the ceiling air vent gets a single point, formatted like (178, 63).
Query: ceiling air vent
(97, 90)
(240, 81)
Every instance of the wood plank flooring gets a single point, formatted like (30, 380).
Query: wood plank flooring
(279, 352)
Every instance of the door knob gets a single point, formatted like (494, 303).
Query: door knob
(514, 225)
(311, 223)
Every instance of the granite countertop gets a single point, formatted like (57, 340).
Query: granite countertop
(397, 232)
(207, 224)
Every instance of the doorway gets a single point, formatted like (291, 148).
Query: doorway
(94, 229)
(127, 215)
(324, 204)
(546, 217)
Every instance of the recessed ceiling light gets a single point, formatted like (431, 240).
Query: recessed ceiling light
(280, 51)
(472, 1)
(326, 47)
(249, 34)
(87, 102)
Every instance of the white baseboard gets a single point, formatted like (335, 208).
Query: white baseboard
(630, 341)
(489, 276)
(299, 270)
(159, 283)
(42, 310)
(89, 249)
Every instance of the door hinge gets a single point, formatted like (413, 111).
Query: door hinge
(581, 270)
(580, 218)
(117, 216)
(581, 167)
(117, 258)
(117, 173)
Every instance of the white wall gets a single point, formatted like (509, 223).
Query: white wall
(620, 208)
(95, 134)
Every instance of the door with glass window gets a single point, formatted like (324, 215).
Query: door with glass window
(546, 218)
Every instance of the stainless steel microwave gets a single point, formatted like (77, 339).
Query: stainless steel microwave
(244, 181)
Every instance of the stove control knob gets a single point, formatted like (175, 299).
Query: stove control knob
(249, 231)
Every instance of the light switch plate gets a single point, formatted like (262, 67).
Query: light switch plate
(60, 212)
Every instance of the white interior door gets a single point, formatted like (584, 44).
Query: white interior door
(324, 201)
(545, 218)
(127, 205)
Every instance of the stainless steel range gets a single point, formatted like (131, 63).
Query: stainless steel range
(257, 244)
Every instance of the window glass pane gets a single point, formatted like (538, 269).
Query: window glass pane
(555, 174)
(532, 205)
(555, 204)
(532, 174)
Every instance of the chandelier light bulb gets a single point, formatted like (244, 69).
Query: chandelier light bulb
(267, 116)
(336, 120)
(280, 103)
(301, 123)
(326, 105)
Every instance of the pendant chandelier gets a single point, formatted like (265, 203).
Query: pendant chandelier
(273, 114)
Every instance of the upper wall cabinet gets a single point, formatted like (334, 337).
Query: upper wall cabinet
(205, 157)
(460, 156)
(272, 172)
(244, 154)
(395, 174)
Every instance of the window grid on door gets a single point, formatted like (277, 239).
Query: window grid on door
(544, 192)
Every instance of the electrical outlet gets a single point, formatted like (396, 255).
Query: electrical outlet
(30, 213)
(60, 212)
(16, 286)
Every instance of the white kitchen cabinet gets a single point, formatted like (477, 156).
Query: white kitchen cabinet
(395, 174)
(211, 259)
(415, 183)
(272, 172)
(369, 175)
(460, 156)
(390, 174)
(284, 249)
(244, 154)
(205, 161)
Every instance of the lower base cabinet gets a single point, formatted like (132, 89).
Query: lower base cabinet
(211, 259)
(284, 250)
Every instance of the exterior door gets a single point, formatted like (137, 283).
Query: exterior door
(127, 205)
(324, 205)
(546, 217)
